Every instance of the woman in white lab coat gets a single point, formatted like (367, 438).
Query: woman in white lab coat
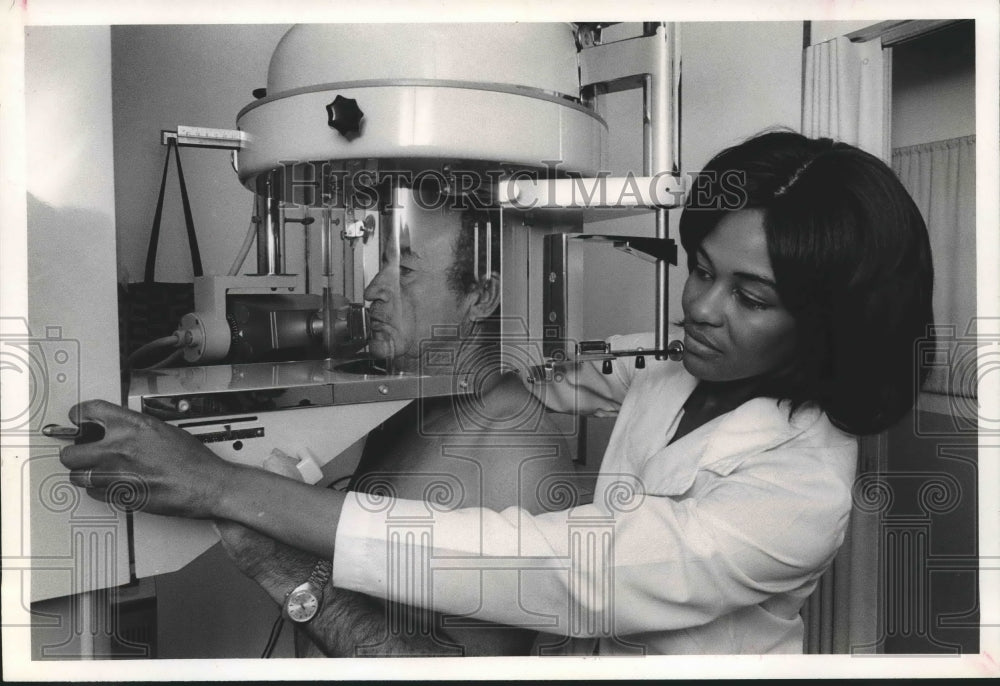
(726, 486)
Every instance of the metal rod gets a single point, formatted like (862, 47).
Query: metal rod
(279, 224)
(475, 251)
(325, 241)
(305, 248)
(661, 84)
(269, 230)
(647, 125)
(263, 214)
(675, 97)
(489, 249)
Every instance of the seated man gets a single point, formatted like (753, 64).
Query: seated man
(489, 448)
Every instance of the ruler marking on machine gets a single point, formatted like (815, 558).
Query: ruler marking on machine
(204, 137)
(230, 435)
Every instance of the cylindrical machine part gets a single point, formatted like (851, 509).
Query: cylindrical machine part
(496, 94)
(269, 230)
(659, 94)
(326, 244)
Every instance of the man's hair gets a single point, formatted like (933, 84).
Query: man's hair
(852, 264)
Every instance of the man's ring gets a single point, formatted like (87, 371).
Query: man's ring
(86, 478)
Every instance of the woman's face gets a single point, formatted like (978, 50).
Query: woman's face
(735, 326)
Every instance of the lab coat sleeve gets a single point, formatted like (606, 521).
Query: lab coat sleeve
(584, 389)
(655, 563)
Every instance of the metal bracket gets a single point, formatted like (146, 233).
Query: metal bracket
(651, 62)
(201, 137)
(555, 296)
(643, 247)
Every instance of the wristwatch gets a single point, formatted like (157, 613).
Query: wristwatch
(302, 602)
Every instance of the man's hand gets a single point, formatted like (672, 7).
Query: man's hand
(174, 473)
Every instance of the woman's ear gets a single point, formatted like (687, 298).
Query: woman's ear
(487, 297)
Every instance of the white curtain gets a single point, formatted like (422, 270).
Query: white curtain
(941, 177)
(844, 95)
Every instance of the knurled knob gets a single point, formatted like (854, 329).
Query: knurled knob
(344, 115)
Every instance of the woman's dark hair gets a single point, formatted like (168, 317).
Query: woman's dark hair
(852, 263)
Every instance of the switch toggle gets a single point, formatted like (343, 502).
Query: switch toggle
(606, 367)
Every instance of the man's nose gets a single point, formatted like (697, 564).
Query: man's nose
(378, 287)
(708, 307)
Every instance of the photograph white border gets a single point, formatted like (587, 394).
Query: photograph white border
(13, 302)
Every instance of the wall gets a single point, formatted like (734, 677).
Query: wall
(933, 87)
(933, 98)
(71, 276)
(737, 80)
(164, 76)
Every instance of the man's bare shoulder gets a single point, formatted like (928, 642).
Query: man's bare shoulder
(510, 405)
(498, 445)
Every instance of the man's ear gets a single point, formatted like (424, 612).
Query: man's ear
(487, 297)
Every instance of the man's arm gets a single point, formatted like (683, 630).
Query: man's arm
(349, 624)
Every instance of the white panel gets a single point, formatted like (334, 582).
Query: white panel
(72, 309)
(166, 544)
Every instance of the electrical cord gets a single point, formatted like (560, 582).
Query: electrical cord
(247, 242)
(272, 640)
(172, 357)
(173, 340)
(341, 483)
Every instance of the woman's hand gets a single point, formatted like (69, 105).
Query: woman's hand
(174, 474)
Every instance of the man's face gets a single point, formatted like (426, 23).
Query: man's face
(411, 294)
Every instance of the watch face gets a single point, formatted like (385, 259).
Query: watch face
(302, 606)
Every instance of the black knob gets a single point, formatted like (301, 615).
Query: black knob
(259, 93)
(606, 367)
(344, 115)
(640, 362)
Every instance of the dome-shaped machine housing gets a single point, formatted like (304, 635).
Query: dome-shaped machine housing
(417, 96)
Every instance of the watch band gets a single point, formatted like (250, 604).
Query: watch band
(321, 573)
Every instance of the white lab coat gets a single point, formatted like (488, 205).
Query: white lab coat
(707, 546)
